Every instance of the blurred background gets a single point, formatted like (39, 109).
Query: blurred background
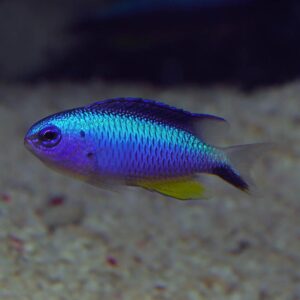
(245, 43)
(63, 239)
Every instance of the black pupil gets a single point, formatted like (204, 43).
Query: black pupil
(49, 135)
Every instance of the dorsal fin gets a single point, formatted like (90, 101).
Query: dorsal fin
(202, 125)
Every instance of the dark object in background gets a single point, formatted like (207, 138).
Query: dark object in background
(248, 43)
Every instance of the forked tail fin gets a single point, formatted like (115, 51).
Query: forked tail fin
(241, 158)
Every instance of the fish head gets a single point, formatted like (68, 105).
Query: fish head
(60, 141)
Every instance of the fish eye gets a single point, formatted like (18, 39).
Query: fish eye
(49, 136)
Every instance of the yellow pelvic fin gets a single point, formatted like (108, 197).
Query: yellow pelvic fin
(182, 189)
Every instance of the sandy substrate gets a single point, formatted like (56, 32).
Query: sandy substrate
(137, 245)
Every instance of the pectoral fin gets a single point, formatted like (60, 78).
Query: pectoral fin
(182, 189)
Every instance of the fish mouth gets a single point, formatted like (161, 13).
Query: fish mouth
(28, 143)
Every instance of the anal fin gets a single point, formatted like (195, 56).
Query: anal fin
(182, 189)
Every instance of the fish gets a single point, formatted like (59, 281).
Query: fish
(144, 143)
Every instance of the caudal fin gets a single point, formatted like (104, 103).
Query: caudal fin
(241, 158)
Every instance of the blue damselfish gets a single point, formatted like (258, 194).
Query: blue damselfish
(142, 143)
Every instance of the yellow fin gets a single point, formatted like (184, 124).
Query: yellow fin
(182, 189)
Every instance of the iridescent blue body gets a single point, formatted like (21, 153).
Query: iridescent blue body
(129, 140)
(127, 146)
